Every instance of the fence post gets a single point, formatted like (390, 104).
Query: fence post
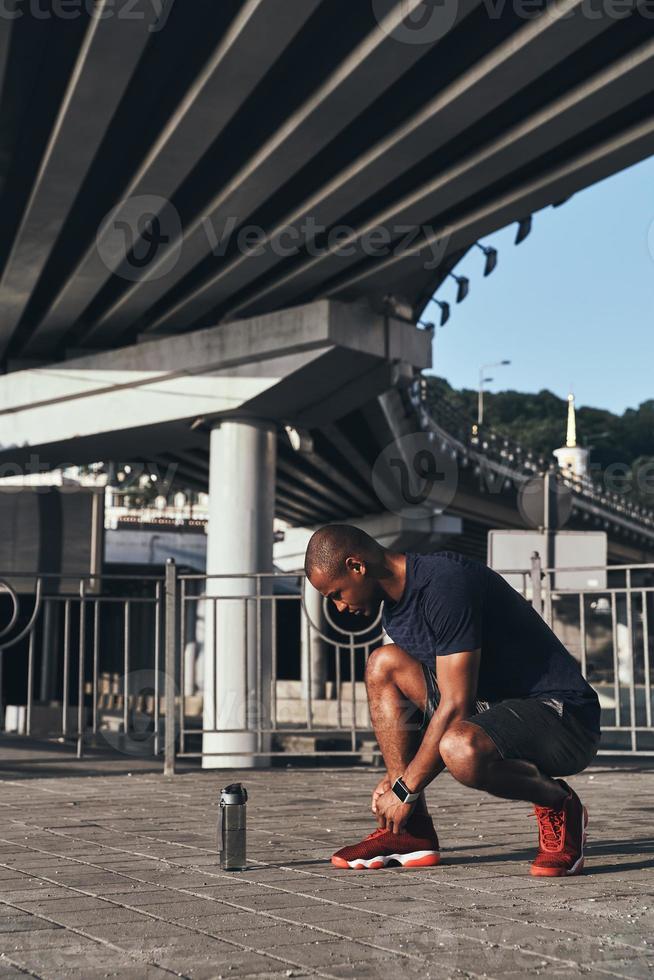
(536, 583)
(170, 663)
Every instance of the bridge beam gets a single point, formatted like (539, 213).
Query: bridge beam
(303, 366)
(393, 531)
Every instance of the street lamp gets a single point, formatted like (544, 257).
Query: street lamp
(524, 229)
(491, 257)
(482, 382)
(463, 287)
(445, 311)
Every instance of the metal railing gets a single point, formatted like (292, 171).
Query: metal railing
(607, 629)
(245, 667)
(304, 701)
(55, 675)
(492, 448)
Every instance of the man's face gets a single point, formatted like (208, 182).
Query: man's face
(354, 591)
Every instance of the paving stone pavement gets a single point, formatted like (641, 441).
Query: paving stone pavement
(107, 874)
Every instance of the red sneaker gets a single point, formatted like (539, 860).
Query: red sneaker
(415, 847)
(562, 835)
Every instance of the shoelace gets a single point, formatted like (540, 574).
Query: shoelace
(377, 833)
(550, 825)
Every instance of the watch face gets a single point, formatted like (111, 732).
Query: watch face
(400, 790)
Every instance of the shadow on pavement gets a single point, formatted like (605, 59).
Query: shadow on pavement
(25, 758)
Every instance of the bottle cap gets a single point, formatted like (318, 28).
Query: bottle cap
(234, 793)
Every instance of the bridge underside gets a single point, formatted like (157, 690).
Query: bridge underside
(328, 478)
(259, 154)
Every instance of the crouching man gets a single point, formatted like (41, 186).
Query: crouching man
(504, 705)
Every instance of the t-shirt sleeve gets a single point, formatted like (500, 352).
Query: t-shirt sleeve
(453, 608)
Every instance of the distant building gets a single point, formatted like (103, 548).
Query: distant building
(571, 457)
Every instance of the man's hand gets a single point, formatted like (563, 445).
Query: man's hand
(391, 814)
(382, 787)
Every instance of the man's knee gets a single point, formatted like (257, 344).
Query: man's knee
(383, 663)
(467, 752)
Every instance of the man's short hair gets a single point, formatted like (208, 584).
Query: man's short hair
(331, 545)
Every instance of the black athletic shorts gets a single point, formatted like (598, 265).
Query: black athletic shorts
(546, 733)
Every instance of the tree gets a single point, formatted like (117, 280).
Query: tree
(538, 423)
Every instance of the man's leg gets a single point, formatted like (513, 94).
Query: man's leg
(473, 759)
(395, 684)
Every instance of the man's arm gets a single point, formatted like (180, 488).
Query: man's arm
(457, 675)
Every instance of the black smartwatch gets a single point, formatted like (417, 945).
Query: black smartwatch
(403, 792)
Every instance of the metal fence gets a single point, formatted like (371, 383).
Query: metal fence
(230, 669)
(607, 628)
(56, 679)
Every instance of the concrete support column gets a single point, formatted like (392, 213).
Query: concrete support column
(49, 652)
(237, 660)
(624, 640)
(313, 647)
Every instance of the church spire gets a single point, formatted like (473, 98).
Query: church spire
(571, 435)
(572, 459)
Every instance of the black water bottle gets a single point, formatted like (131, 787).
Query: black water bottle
(231, 832)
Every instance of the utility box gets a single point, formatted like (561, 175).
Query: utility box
(584, 550)
(55, 532)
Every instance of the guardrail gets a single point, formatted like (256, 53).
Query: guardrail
(607, 628)
(251, 667)
(52, 648)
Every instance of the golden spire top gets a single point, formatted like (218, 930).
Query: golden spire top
(571, 435)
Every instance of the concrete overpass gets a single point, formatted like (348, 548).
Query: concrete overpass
(326, 473)
(404, 130)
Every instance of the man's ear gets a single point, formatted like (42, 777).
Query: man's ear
(355, 565)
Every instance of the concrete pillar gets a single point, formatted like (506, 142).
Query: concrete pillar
(623, 633)
(237, 657)
(313, 648)
(49, 652)
(192, 640)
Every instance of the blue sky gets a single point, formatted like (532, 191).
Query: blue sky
(574, 303)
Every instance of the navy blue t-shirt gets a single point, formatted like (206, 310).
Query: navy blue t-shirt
(452, 603)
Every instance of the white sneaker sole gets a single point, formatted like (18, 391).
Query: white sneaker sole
(414, 859)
